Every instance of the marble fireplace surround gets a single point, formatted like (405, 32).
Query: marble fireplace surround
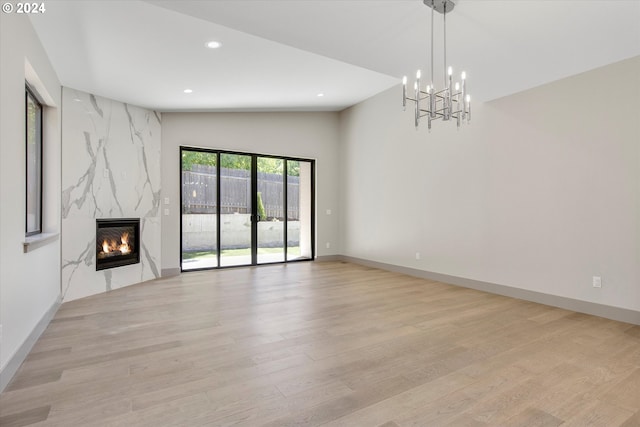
(110, 169)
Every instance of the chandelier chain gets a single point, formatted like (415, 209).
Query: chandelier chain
(447, 108)
(433, 8)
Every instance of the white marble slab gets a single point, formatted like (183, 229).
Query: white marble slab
(110, 169)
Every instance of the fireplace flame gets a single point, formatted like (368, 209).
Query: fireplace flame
(123, 247)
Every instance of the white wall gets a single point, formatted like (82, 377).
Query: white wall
(304, 135)
(110, 169)
(541, 192)
(29, 282)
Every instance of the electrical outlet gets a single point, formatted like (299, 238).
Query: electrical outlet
(166, 200)
(328, 245)
(417, 255)
(597, 281)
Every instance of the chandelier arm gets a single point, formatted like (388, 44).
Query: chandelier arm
(426, 113)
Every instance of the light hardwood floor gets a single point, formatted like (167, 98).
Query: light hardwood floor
(323, 343)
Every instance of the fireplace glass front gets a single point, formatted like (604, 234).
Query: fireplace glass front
(117, 242)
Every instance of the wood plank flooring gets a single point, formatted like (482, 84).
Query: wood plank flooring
(323, 343)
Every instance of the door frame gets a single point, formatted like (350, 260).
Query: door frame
(254, 203)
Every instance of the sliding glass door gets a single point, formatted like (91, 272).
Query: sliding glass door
(299, 210)
(199, 200)
(244, 209)
(235, 209)
(270, 210)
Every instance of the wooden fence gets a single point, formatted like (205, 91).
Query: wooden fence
(199, 192)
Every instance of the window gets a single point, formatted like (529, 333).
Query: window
(245, 209)
(33, 114)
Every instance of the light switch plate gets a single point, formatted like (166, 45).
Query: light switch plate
(597, 281)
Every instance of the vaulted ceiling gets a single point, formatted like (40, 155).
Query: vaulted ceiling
(281, 54)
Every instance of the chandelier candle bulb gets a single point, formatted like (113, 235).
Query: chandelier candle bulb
(468, 99)
(417, 97)
(432, 104)
(449, 105)
(464, 94)
(404, 92)
(416, 86)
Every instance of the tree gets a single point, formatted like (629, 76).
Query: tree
(262, 214)
(190, 158)
(238, 161)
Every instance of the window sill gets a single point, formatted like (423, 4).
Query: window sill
(31, 243)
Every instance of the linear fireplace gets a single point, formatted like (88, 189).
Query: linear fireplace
(117, 242)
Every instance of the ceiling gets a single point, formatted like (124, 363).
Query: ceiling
(278, 55)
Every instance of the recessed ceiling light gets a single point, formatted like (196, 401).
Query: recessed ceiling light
(321, 94)
(213, 44)
(188, 91)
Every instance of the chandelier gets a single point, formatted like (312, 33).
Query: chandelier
(450, 103)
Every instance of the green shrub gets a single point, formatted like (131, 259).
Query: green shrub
(262, 215)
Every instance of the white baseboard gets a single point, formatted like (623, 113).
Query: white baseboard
(326, 258)
(595, 309)
(14, 363)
